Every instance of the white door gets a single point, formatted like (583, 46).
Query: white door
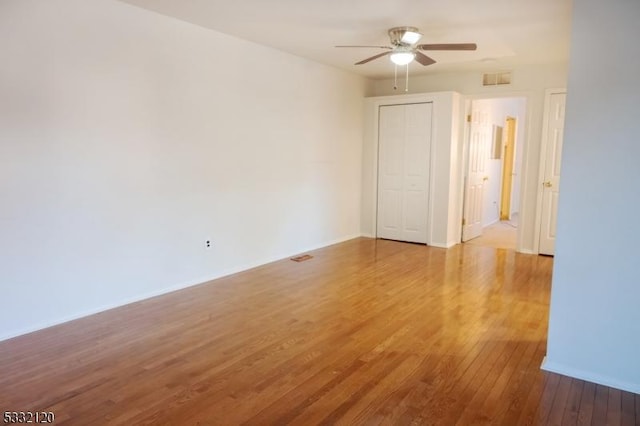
(403, 172)
(554, 130)
(479, 138)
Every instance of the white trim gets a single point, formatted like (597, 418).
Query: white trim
(544, 145)
(372, 106)
(443, 246)
(491, 223)
(600, 379)
(181, 286)
(467, 109)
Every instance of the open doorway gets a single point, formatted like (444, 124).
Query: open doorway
(493, 171)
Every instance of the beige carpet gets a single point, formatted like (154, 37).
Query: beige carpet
(499, 235)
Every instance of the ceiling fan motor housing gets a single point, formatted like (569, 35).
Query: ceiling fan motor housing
(396, 34)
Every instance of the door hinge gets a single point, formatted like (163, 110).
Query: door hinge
(468, 118)
(464, 222)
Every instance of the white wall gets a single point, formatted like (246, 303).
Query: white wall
(128, 138)
(529, 82)
(594, 328)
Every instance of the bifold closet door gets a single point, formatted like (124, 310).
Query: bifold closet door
(404, 149)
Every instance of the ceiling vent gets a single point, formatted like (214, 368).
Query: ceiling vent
(496, 78)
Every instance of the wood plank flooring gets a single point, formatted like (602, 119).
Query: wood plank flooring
(365, 332)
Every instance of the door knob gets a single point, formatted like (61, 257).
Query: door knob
(547, 184)
(486, 178)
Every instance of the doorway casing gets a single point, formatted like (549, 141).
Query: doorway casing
(443, 216)
(525, 209)
(450, 109)
(508, 159)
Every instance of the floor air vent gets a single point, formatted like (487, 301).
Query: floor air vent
(302, 258)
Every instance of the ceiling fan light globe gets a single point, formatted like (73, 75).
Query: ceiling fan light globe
(402, 58)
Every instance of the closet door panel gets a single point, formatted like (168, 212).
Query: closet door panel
(403, 171)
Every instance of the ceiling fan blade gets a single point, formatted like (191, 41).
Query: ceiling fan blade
(424, 59)
(379, 47)
(448, 46)
(364, 61)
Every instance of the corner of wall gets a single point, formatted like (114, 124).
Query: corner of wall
(566, 370)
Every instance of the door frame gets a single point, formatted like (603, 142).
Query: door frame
(544, 146)
(445, 104)
(424, 115)
(506, 191)
(402, 100)
(524, 210)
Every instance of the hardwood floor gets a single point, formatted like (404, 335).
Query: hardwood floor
(365, 332)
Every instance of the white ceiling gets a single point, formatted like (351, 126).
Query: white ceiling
(508, 32)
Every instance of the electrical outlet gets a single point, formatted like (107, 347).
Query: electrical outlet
(207, 244)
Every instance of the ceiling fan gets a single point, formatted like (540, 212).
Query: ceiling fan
(404, 48)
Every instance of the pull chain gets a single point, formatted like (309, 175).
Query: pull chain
(406, 80)
(395, 77)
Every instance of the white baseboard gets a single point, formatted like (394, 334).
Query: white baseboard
(446, 245)
(431, 244)
(491, 223)
(86, 313)
(589, 376)
(526, 251)
(438, 245)
(166, 290)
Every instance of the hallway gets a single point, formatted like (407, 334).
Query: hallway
(501, 235)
